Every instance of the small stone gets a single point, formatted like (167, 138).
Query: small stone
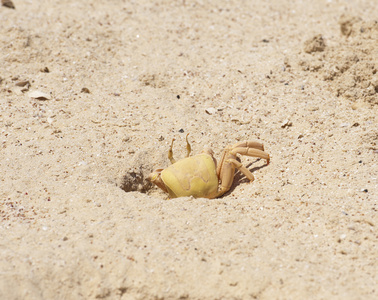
(23, 83)
(8, 3)
(314, 44)
(181, 130)
(286, 123)
(85, 90)
(39, 95)
(210, 110)
(45, 70)
(357, 105)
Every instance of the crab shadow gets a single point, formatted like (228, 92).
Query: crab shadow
(240, 178)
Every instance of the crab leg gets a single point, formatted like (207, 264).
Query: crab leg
(242, 169)
(156, 179)
(228, 175)
(249, 144)
(248, 148)
(251, 152)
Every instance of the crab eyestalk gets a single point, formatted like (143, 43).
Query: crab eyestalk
(188, 147)
(170, 153)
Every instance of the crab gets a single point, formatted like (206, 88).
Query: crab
(200, 176)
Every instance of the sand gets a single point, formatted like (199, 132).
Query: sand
(91, 95)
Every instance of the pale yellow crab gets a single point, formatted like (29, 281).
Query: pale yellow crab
(199, 176)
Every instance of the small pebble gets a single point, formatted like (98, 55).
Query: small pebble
(45, 70)
(23, 83)
(8, 3)
(39, 95)
(341, 237)
(210, 110)
(286, 123)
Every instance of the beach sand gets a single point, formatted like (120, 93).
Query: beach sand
(91, 95)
